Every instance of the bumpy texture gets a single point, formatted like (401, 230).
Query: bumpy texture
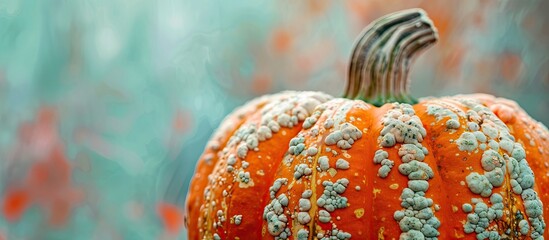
(304, 165)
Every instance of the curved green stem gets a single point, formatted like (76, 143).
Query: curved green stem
(381, 59)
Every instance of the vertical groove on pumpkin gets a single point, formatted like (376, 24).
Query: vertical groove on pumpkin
(315, 174)
(379, 65)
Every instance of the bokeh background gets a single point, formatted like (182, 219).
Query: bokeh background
(106, 105)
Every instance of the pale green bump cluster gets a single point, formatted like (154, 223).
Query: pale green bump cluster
(231, 161)
(342, 164)
(237, 219)
(303, 216)
(401, 125)
(440, 112)
(416, 170)
(244, 176)
(302, 170)
(309, 122)
(452, 124)
(467, 142)
(409, 152)
(312, 151)
(317, 111)
(534, 211)
(285, 120)
(285, 112)
(297, 145)
(334, 234)
(344, 137)
(323, 163)
(417, 220)
(324, 216)
(278, 183)
(331, 198)
(248, 136)
(245, 139)
(467, 208)
(381, 157)
(479, 220)
(302, 234)
(479, 184)
(275, 217)
(495, 166)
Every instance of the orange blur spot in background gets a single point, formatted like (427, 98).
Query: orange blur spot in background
(182, 121)
(511, 67)
(282, 40)
(262, 84)
(15, 204)
(47, 183)
(60, 212)
(452, 59)
(444, 19)
(171, 216)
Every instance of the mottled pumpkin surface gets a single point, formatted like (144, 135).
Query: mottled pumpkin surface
(304, 165)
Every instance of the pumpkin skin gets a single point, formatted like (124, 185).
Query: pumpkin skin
(305, 165)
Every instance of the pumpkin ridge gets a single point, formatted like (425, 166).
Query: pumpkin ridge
(285, 171)
(268, 155)
(335, 114)
(335, 218)
(280, 167)
(510, 201)
(217, 171)
(221, 137)
(440, 110)
(531, 223)
(210, 208)
(281, 97)
(403, 134)
(436, 187)
(314, 197)
(531, 134)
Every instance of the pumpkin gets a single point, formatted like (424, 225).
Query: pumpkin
(377, 163)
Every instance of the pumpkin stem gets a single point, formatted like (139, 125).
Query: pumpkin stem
(382, 56)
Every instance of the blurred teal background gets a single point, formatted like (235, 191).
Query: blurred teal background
(105, 106)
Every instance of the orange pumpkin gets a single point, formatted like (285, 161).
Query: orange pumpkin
(376, 164)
